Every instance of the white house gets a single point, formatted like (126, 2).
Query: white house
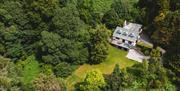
(126, 36)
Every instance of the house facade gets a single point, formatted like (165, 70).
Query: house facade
(127, 36)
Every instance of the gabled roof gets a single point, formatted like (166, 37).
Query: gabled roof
(129, 32)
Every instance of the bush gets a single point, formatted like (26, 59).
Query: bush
(64, 69)
(145, 49)
(46, 69)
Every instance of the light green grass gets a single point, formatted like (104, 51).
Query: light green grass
(116, 56)
(31, 70)
(145, 45)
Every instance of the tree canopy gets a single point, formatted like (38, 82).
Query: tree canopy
(43, 42)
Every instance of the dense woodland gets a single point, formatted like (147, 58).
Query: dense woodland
(56, 36)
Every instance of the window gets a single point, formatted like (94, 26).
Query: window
(129, 42)
(117, 38)
(123, 40)
(119, 32)
(125, 33)
(131, 35)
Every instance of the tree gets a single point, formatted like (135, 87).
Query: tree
(63, 69)
(120, 11)
(118, 80)
(49, 44)
(49, 83)
(93, 81)
(98, 44)
(9, 75)
(47, 69)
(63, 2)
(150, 75)
(121, 8)
(10, 42)
(92, 11)
(155, 53)
(74, 34)
(98, 6)
(157, 75)
(44, 7)
(54, 49)
(116, 70)
(68, 24)
(172, 56)
(175, 4)
(153, 8)
(114, 82)
(111, 19)
(165, 25)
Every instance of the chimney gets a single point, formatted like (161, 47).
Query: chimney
(125, 23)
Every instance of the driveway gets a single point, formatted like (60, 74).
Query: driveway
(136, 56)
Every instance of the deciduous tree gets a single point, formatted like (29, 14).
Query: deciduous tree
(49, 83)
(98, 46)
(93, 81)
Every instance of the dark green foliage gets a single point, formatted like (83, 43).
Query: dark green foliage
(117, 70)
(10, 42)
(55, 49)
(165, 26)
(50, 44)
(92, 11)
(111, 19)
(68, 24)
(118, 80)
(98, 44)
(148, 75)
(114, 81)
(63, 2)
(153, 8)
(63, 69)
(172, 57)
(121, 10)
(86, 13)
(43, 7)
(74, 35)
(175, 4)
(162, 20)
(146, 51)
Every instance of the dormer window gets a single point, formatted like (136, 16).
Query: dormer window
(131, 35)
(125, 33)
(119, 32)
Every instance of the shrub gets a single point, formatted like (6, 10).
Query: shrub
(64, 69)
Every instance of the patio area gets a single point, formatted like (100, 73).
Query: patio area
(136, 55)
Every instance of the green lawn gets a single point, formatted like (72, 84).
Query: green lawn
(31, 70)
(116, 56)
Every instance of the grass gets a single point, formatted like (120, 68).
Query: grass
(116, 56)
(31, 70)
(145, 45)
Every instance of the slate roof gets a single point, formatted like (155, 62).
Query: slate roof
(129, 32)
